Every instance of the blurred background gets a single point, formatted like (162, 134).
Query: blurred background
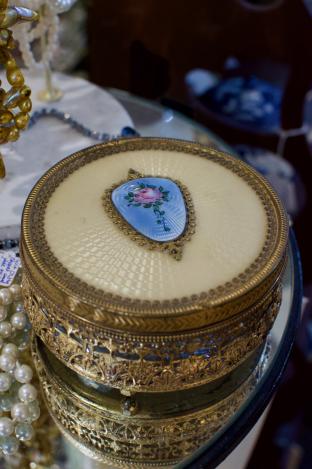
(243, 69)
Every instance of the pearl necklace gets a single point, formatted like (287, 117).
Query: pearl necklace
(48, 27)
(18, 398)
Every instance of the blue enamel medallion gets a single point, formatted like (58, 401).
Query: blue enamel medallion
(153, 206)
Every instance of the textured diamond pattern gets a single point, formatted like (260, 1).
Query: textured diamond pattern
(230, 228)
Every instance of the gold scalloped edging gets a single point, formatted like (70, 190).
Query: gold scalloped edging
(136, 442)
(121, 313)
(173, 248)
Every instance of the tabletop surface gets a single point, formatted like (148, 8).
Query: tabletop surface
(50, 140)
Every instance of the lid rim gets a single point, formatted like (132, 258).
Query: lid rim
(274, 247)
(153, 326)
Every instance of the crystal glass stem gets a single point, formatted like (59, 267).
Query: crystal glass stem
(50, 93)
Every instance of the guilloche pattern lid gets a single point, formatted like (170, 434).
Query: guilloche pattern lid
(153, 235)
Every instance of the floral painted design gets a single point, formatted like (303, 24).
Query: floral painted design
(149, 196)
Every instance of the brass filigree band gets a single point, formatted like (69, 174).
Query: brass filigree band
(111, 437)
(149, 362)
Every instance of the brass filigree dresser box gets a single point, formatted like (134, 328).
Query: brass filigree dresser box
(152, 276)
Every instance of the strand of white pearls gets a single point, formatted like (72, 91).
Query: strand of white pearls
(18, 397)
(26, 33)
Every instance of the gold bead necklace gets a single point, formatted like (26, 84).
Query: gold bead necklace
(15, 104)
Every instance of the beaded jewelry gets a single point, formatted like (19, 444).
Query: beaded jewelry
(18, 397)
(48, 27)
(38, 433)
(47, 31)
(18, 96)
(68, 119)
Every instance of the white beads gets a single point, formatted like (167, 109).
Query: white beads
(7, 362)
(18, 401)
(23, 373)
(20, 412)
(24, 431)
(27, 33)
(27, 393)
(19, 308)
(6, 426)
(16, 291)
(10, 349)
(5, 297)
(19, 321)
(6, 403)
(5, 382)
(5, 329)
(10, 445)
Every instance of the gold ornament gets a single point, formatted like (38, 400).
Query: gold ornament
(15, 104)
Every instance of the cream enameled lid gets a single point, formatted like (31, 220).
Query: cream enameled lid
(238, 236)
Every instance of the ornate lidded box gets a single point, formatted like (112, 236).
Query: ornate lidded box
(152, 267)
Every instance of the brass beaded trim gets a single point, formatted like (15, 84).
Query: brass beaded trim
(131, 441)
(173, 248)
(92, 304)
